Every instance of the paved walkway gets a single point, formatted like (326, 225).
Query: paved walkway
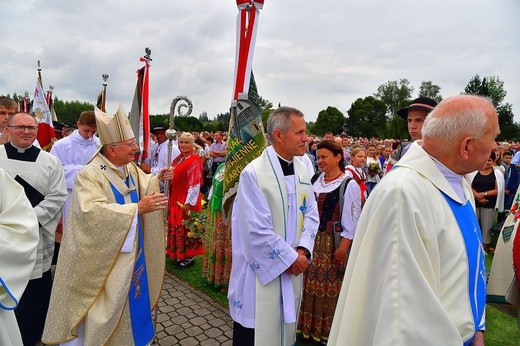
(188, 317)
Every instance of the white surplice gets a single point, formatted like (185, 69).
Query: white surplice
(45, 175)
(74, 152)
(18, 242)
(162, 159)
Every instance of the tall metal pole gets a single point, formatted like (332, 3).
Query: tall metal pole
(40, 73)
(104, 96)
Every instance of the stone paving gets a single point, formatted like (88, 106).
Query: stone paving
(188, 317)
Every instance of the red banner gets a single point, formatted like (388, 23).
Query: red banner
(247, 22)
(139, 115)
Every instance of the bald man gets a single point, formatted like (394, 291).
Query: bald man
(417, 272)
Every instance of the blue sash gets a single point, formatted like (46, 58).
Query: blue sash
(468, 224)
(138, 296)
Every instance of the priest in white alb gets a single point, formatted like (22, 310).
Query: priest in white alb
(274, 223)
(18, 242)
(416, 273)
(41, 176)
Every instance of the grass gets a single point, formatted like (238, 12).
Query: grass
(502, 329)
(193, 276)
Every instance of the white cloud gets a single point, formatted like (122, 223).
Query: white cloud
(310, 54)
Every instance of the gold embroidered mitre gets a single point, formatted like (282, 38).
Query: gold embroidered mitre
(113, 128)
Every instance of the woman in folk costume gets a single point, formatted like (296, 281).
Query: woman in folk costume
(217, 239)
(322, 281)
(373, 167)
(358, 159)
(184, 197)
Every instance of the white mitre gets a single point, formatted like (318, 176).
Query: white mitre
(113, 128)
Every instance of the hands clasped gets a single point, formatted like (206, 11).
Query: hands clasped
(299, 266)
(152, 202)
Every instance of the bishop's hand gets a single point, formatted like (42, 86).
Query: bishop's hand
(152, 202)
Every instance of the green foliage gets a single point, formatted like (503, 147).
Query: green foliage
(159, 120)
(366, 118)
(68, 111)
(224, 118)
(428, 89)
(493, 87)
(265, 114)
(213, 126)
(190, 124)
(488, 86)
(509, 129)
(395, 95)
(396, 128)
(311, 127)
(330, 119)
(204, 117)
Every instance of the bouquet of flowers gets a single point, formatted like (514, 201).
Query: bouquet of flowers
(196, 224)
(374, 168)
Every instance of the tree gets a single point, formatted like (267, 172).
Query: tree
(509, 129)
(68, 112)
(395, 95)
(190, 124)
(311, 128)
(428, 89)
(204, 117)
(366, 118)
(493, 87)
(224, 118)
(329, 119)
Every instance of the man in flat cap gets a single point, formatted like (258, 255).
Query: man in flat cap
(111, 264)
(414, 116)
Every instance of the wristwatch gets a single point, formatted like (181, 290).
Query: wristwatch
(485, 193)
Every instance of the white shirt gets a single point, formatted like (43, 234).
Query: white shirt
(74, 152)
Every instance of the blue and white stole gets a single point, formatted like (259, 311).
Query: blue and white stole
(138, 296)
(470, 229)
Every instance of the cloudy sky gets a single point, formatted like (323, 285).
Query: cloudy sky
(309, 54)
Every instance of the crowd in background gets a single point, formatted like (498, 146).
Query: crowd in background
(344, 170)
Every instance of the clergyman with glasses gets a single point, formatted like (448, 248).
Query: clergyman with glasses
(111, 265)
(41, 175)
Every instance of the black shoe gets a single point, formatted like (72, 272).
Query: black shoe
(185, 263)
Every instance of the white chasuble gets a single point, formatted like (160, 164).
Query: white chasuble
(93, 275)
(18, 242)
(407, 278)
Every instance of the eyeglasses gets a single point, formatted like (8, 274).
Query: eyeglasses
(127, 144)
(24, 127)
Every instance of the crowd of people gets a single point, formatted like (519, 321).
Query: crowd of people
(337, 239)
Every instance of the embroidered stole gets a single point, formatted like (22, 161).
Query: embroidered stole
(138, 295)
(469, 227)
(271, 325)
